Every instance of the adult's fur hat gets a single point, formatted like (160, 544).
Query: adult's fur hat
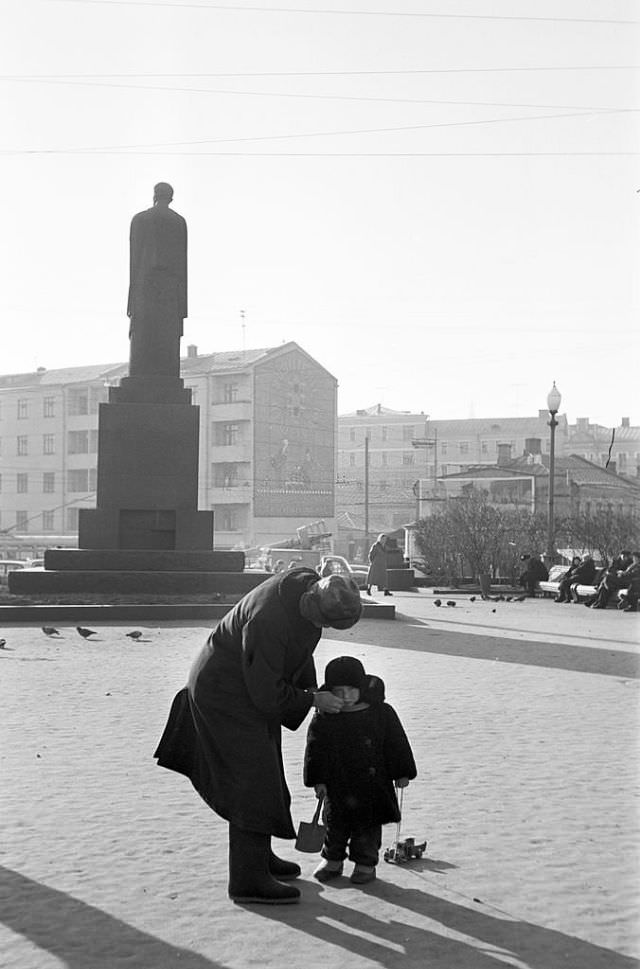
(339, 601)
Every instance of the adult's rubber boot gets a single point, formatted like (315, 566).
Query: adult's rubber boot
(250, 881)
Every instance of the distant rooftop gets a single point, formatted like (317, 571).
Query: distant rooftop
(191, 364)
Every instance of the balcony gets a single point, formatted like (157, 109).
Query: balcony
(239, 494)
(236, 410)
(230, 453)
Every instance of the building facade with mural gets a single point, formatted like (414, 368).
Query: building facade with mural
(267, 446)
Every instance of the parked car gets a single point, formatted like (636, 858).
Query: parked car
(337, 564)
(10, 565)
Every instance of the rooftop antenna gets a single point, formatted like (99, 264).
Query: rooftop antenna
(244, 330)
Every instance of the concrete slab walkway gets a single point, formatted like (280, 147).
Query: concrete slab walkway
(525, 727)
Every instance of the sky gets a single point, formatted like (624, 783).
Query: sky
(437, 199)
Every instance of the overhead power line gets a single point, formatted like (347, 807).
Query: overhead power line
(350, 13)
(306, 97)
(430, 70)
(347, 154)
(131, 149)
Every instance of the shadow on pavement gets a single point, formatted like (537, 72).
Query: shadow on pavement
(408, 633)
(390, 942)
(81, 936)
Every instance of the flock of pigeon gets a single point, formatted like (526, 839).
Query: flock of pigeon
(451, 602)
(54, 633)
(87, 633)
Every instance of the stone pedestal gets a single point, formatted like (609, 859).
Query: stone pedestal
(147, 491)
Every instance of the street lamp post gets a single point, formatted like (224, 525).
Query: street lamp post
(554, 399)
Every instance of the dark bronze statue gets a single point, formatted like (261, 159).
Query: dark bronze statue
(157, 287)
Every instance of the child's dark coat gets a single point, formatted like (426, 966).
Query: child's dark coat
(358, 755)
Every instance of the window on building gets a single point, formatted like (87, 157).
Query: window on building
(97, 396)
(352, 433)
(443, 447)
(444, 469)
(229, 519)
(230, 393)
(408, 458)
(383, 459)
(78, 442)
(622, 462)
(225, 435)
(225, 475)
(49, 407)
(78, 402)
(194, 395)
(48, 521)
(93, 479)
(77, 479)
(484, 447)
(48, 482)
(464, 447)
(71, 519)
(22, 521)
(48, 444)
(22, 483)
(23, 408)
(384, 485)
(22, 445)
(603, 459)
(93, 442)
(384, 432)
(352, 460)
(408, 432)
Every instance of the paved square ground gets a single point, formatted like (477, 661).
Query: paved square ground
(524, 722)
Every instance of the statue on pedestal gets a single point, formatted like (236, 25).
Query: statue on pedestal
(157, 303)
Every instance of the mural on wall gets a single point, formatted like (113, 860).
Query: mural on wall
(294, 435)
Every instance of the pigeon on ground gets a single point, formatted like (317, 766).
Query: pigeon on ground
(85, 633)
(50, 631)
(437, 602)
(493, 610)
(472, 599)
(450, 602)
(135, 634)
(509, 598)
(3, 643)
(521, 598)
(495, 598)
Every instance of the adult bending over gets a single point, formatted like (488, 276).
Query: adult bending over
(254, 674)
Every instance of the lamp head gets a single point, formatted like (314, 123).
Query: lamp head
(554, 399)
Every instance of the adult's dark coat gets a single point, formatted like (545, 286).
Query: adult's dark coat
(377, 574)
(224, 729)
(584, 573)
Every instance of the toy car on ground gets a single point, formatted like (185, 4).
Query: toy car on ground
(404, 850)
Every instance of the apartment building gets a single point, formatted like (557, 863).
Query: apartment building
(267, 445)
(383, 454)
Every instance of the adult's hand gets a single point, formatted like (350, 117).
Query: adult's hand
(327, 703)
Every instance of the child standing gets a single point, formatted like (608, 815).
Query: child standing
(352, 759)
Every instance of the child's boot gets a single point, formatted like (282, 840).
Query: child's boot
(363, 874)
(327, 870)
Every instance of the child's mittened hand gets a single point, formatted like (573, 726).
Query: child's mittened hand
(402, 782)
(321, 790)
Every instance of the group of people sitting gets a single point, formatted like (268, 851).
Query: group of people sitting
(623, 573)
